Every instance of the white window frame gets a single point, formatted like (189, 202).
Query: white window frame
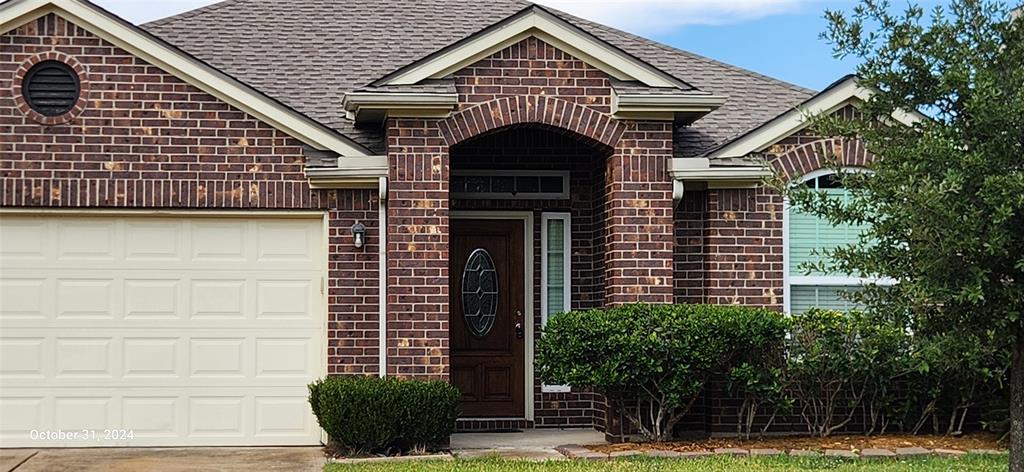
(563, 195)
(566, 219)
(790, 280)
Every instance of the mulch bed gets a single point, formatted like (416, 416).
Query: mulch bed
(785, 443)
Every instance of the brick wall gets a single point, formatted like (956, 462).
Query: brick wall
(638, 216)
(142, 138)
(417, 249)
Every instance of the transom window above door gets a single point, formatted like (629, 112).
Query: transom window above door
(510, 184)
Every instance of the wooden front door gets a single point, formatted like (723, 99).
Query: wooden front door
(486, 324)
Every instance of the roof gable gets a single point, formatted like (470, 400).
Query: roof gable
(838, 95)
(108, 26)
(537, 22)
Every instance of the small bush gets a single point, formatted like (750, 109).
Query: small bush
(653, 361)
(370, 414)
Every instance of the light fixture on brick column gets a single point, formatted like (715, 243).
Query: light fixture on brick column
(358, 235)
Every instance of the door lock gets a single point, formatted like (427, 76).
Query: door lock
(519, 324)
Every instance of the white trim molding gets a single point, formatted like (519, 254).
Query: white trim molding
(537, 22)
(174, 61)
(351, 172)
(378, 106)
(527, 218)
(698, 173)
(566, 219)
(844, 92)
(685, 107)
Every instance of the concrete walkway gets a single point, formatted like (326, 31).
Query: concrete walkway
(532, 444)
(210, 459)
(535, 444)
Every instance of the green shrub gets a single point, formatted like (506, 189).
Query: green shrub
(370, 414)
(653, 361)
(840, 364)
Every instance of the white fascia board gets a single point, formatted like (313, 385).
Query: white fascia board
(695, 101)
(380, 105)
(700, 169)
(662, 107)
(548, 28)
(354, 100)
(797, 119)
(15, 13)
(352, 172)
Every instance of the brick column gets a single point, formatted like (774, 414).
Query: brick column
(638, 216)
(417, 250)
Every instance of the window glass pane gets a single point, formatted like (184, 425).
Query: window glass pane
(809, 234)
(503, 183)
(528, 184)
(805, 297)
(475, 184)
(556, 276)
(551, 184)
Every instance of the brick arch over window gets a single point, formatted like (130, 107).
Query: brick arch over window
(815, 155)
(554, 112)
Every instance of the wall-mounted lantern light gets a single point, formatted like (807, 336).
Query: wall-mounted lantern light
(358, 235)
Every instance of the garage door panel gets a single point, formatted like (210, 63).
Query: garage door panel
(216, 417)
(23, 358)
(85, 297)
(153, 299)
(93, 240)
(25, 239)
(85, 358)
(189, 331)
(135, 298)
(280, 242)
(154, 240)
(129, 358)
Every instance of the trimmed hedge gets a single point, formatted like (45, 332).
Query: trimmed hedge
(375, 415)
(653, 361)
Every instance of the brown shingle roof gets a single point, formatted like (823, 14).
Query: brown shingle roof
(308, 53)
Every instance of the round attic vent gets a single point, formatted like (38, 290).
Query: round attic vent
(51, 88)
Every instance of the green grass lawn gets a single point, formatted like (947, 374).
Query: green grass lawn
(967, 463)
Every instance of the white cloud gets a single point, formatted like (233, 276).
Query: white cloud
(141, 11)
(647, 16)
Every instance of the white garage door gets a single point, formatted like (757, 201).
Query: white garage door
(174, 330)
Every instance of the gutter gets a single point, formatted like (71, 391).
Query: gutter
(382, 269)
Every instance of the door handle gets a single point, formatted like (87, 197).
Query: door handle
(519, 324)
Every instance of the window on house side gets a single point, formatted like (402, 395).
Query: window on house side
(807, 236)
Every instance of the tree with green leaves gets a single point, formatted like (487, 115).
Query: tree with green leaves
(944, 201)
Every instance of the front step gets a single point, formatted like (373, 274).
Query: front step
(491, 425)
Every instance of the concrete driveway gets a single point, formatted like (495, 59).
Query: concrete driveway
(211, 459)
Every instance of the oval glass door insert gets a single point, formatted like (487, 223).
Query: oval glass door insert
(479, 293)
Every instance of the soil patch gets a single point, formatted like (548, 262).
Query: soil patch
(852, 443)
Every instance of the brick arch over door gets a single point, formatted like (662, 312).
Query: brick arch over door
(507, 111)
(821, 153)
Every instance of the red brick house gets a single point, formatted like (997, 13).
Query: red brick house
(202, 214)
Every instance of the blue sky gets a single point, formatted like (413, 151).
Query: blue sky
(778, 38)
